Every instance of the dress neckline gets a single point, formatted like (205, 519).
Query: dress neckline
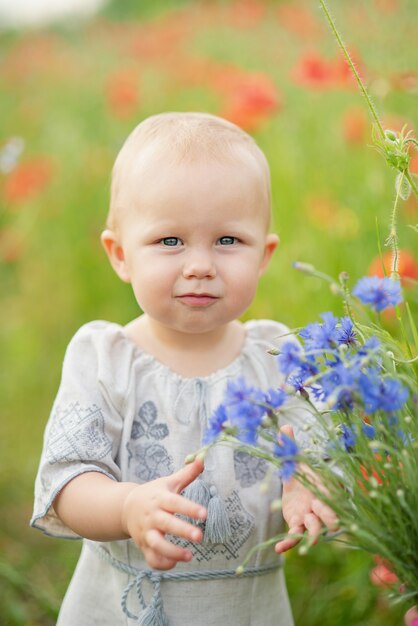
(218, 373)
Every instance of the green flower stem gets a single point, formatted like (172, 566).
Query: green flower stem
(353, 68)
(392, 240)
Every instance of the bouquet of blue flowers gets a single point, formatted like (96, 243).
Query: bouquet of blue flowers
(359, 381)
(361, 385)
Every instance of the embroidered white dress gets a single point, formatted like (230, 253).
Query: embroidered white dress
(121, 412)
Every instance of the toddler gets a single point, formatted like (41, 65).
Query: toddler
(188, 228)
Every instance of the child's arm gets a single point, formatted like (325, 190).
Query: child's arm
(99, 508)
(302, 510)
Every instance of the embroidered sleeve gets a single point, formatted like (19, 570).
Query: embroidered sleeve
(85, 425)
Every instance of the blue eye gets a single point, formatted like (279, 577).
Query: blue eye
(171, 242)
(227, 241)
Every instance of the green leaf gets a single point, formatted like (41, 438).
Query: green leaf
(402, 186)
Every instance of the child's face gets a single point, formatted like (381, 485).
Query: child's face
(195, 246)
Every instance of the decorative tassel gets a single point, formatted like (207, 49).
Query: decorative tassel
(198, 491)
(152, 616)
(217, 528)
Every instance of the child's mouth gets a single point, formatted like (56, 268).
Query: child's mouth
(197, 299)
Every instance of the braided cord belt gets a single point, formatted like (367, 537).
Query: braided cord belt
(154, 613)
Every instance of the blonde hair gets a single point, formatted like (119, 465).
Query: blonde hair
(182, 138)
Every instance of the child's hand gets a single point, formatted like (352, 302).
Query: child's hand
(148, 514)
(302, 510)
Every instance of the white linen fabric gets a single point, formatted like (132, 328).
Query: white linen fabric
(121, 412)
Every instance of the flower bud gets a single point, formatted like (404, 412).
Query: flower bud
(305, 268)
(344, 277)
(391, 136)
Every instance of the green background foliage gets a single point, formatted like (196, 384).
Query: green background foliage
(72, 93)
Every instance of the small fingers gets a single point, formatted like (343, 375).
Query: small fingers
(174, 503)
(187, 474)
(173, 525)
(163, 549)
(312, 524)
(325, 513)
(294, 536)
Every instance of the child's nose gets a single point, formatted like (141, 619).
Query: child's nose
(199, 264)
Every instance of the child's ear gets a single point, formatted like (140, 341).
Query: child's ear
(115, 254)
(272, 241)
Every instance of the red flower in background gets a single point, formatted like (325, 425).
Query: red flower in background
(374, 473)
(381, 575)
(122, 93)
(250, 99)
(27, 180)
(407, 266)
(315, 72)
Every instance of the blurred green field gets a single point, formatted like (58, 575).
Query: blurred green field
(72, 93)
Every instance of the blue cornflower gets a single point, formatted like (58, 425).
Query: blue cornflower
(348, 437)
(287, 450)
(216, 425)
(379, 293)
(245, 408)
(386, 394)
(371, 345)
(297, 382)
(369, 431)
(339, 384)
(321, 336)
(289, 357)
(345, 333)
(275, 398)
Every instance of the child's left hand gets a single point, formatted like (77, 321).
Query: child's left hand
(302, 510)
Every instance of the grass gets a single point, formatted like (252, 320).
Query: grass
(73, 93)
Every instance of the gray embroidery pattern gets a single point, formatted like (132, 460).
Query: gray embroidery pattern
(150, 460)
(248, 469)
(77, 434)
(146, 426)
(242, 524)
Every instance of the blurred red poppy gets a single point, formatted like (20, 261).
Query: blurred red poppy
(27, 180)
(407, 266)
(122, 92)
(381, 575)
(250, 99)
(315, 72)
(374, 473)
